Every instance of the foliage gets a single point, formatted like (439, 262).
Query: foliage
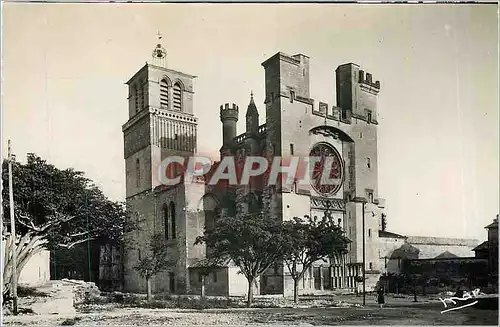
(155, 260)
(308, 240)
(55, 208)
(359, 279)
(63, 206)
(250, 241)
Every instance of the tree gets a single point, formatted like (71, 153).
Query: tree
(252, 242)
(308, 240)
(55, 208)
(154, 261)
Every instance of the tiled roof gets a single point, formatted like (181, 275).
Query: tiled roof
(446, 255)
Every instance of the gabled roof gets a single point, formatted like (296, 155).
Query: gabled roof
(383, 233)
(494, 224)
(481, 247)
(446, 255)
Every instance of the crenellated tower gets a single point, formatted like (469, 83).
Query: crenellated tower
(229, 119)
(356, 92)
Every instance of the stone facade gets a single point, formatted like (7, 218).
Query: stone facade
(162, 124)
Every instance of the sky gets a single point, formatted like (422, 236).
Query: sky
(64, 98)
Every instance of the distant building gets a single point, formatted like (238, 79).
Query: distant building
(489, 250)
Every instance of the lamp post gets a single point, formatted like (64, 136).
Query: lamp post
(364, 256)
(12, 158)
(363, 202)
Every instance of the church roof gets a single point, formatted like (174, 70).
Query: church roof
(384, 233)
(446, 255)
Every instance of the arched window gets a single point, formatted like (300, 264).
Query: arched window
(177, 94)
(164, 93)
(138, 173)
(165, 219)
(172, 217)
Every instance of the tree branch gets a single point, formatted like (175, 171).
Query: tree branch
(70, 245)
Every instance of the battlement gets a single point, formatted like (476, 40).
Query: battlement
(229, 111)
(367, 79)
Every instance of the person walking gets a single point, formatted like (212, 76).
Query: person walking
(380, 297)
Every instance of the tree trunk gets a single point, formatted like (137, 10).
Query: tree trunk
(203, 286)
(24, 253)
(150, 294)
(250, 292)
(295, 290)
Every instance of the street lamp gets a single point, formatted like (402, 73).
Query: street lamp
(364, 256)
(363, 201)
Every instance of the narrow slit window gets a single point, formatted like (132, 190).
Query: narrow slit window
(172, 217)
(138, 173)
(165, 220)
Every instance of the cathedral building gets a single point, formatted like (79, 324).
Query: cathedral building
(162, 124)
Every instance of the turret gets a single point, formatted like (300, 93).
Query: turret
(252, 117)
(357, 92)
(229, 118)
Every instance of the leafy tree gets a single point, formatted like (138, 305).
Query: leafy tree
(252, 242)
(154, 261)
(53, 209)
(308, 240)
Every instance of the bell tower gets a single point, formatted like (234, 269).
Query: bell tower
(161, 121)
(161, 124)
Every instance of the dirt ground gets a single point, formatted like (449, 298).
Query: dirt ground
(416, 315)
(56, 309)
